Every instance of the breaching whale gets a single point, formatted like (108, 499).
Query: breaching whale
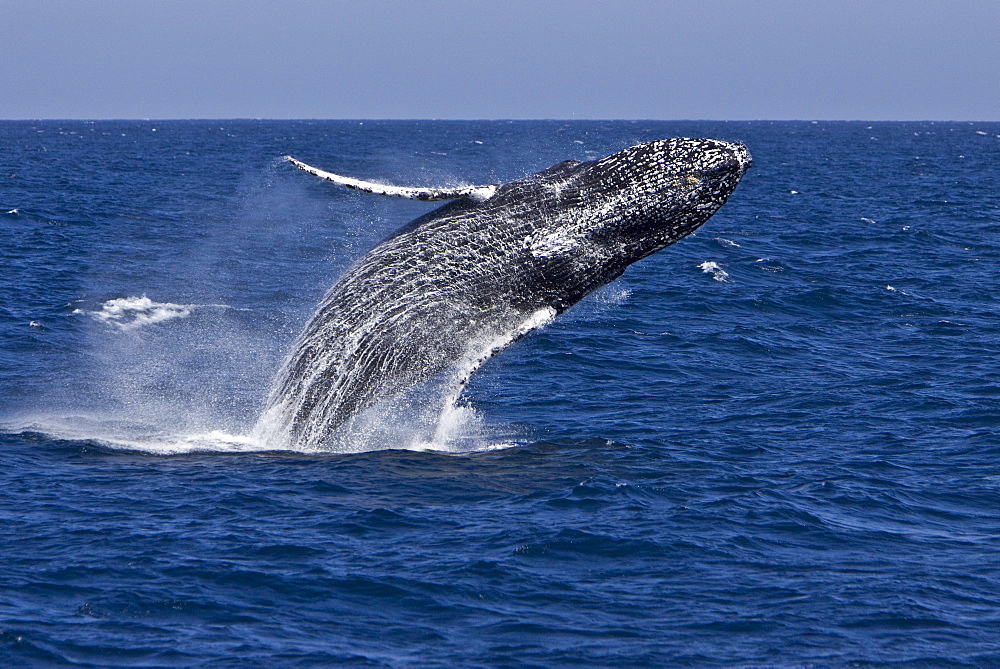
(450, 289)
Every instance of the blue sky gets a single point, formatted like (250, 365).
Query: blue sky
(585, 59)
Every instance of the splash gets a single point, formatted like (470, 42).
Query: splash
(614, 296)
(159, 379)
(147, 400)
(127, 435)
(449, 421)
(429, 416)
(458, 430)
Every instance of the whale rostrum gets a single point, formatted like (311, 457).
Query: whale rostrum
(450, 289)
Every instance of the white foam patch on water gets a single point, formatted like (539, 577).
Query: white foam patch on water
(214, 441)
(128, 435)
(122, 435)
(713, 268)
(132, 313)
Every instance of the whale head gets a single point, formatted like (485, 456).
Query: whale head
(601, 216)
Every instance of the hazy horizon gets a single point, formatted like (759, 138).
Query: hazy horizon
(500, 120)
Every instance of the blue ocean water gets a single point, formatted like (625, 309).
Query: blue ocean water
(774, 444)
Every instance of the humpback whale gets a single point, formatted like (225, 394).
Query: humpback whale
(455, 286)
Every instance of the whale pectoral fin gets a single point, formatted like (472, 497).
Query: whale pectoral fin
(478, 193)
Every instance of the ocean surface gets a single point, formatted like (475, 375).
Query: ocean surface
(774, 444)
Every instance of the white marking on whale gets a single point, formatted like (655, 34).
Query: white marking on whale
(478, 193)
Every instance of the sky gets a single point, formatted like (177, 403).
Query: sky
(500, 59)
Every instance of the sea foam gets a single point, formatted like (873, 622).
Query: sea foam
(132, 313)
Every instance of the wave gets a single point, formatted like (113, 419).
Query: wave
(715, 269)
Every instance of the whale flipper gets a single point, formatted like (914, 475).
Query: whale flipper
(478, 193)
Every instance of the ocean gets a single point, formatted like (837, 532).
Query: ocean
(773, 444)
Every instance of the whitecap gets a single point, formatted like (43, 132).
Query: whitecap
(713, 268)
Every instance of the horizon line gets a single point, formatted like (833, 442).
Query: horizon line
(501, 120)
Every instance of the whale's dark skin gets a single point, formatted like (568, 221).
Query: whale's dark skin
(471, 276)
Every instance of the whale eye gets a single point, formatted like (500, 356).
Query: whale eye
(716, 172)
